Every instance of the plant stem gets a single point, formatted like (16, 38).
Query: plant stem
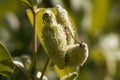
(45, 67)
(34, 42)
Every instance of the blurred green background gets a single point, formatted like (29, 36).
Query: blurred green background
(97, 23)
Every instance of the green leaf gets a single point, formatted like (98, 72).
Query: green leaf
(27, 2)
(8, 6)
(62, 72)
(99, 15)
(6, 64)
(20, 74)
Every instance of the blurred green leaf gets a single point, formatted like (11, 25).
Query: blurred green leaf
(34, 2)
(99, 15)
(20, 74)
(24, 61)
(62, 72)
(8, 5)
(27, 2)
(66, 3)
(6, 64)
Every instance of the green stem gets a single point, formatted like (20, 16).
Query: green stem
(34, 42)
(45, 67)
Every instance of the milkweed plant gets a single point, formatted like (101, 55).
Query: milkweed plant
(57, 37)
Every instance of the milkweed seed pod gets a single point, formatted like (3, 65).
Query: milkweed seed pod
(76, 54)
(70, 76)
(54, 39)
(63, 19)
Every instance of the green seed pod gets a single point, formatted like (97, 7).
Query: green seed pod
(70, 76)
(63, 19)
(76, 55)
(54, 39)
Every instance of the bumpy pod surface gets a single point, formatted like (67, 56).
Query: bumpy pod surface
(63, 19)
(54, 39)
(76, 54)
(59, 43)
